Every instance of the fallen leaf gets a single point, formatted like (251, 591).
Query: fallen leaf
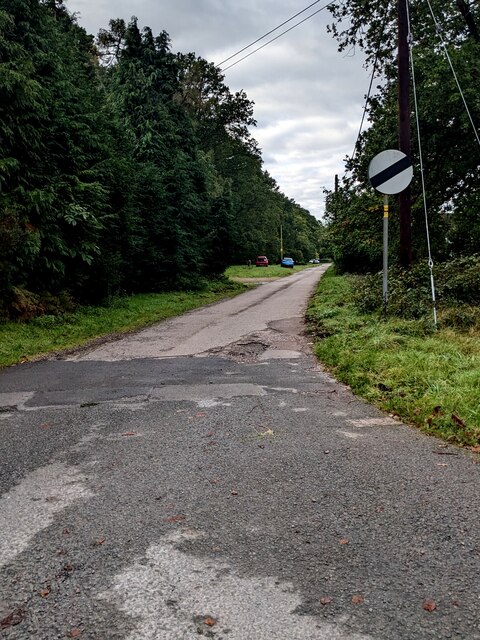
(475, 449)
(326, 600)
(429, 605)
(357, 599)
(268, 432)
(458, 421)
(45, 592)
(13, 618)
(234, 493)
(66, 531)
(75, 633)
(129, 433)
(210, 622)
(176, 518)
(52, 499)
(98, 542)
(437, 411)
(344, 541)
(442, 464)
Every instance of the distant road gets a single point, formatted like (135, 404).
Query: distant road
(217, 325)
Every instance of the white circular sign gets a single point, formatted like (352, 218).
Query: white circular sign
(390, 171)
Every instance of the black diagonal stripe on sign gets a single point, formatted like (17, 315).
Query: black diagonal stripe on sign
(390, 172)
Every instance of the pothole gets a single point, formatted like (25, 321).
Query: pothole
(244, 351)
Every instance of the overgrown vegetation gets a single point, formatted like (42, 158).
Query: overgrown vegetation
(20, 342)
(429, 378)
(457, 292)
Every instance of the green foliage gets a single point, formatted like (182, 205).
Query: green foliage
(449, 146)
(51, 202)
(354, 230)
(457, 289)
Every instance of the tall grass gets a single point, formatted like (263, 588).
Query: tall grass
(428, 378)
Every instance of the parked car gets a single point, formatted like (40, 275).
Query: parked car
(288, 262)
(261, 261)
(314, 261)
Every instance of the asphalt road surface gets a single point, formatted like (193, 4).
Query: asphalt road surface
(206, 478)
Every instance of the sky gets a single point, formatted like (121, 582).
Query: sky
(309, 98)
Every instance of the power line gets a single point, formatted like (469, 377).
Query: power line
(267, 34)
(276, 37)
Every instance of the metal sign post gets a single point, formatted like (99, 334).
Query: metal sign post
(389, 172)
(385, 252)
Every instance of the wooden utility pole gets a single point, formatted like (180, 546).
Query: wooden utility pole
(405, 208)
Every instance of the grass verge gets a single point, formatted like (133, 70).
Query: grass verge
(428, 378)
(272, 271)
(21, 342)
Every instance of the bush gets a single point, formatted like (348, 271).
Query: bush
(457, 288)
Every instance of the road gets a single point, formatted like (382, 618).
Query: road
(206, 478)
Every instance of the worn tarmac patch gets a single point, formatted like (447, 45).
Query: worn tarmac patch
(175, 596)
(30, 506)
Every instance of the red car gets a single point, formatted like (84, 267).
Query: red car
(261, 261)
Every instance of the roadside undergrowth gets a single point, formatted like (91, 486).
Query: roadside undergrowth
(428, 378)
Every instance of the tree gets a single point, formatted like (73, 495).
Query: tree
(450, 151)
(51, 200)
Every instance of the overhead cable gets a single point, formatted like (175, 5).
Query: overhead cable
(267, 34)
(273, 39)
